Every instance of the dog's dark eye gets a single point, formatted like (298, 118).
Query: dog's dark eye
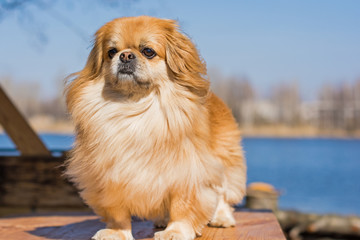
(149, 53)
(112, 52)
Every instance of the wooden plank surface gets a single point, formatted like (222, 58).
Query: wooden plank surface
(18, 129)
(249, 225)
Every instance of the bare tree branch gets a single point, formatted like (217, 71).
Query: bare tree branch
(23, 7)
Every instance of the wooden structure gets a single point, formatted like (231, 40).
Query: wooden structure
(249, 225)
(31, 182)
(18, 129)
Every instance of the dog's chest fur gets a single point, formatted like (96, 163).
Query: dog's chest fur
(145, 143)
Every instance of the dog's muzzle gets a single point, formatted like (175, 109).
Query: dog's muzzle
(127, 63)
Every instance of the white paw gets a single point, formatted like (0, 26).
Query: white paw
(223, 216)
(176, 231)
(170, 235)
(223, 220)
(110, 234)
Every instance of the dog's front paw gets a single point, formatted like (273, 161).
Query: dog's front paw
(223, 216)
(110, 234)
(222, 221)
(170, 235)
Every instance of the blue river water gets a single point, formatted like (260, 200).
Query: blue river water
(313, 175)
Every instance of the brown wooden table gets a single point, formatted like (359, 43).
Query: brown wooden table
(249, 225)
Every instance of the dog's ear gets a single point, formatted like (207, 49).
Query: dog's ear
(184, 61)
(91, 70)
(95, 60)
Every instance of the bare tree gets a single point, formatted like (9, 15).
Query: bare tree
(24, 95)
(24, 9)
(356, 89)
(237, 92)
(339, 107)
(56, 107)
(286, 98)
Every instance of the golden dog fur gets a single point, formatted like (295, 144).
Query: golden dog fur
(158, 144)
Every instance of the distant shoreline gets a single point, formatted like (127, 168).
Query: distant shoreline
(282, 131)
(49, 125)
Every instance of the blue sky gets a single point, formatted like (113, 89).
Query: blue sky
(269, 42)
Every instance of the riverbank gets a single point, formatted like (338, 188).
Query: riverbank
(48, 124)
(305, 131)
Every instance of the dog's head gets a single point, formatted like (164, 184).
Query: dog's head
(134, 54)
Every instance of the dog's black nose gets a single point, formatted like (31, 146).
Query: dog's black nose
(126, 57)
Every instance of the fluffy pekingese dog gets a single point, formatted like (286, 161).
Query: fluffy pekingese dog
(151, 139)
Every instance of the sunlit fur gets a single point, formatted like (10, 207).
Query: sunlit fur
(159, 144)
